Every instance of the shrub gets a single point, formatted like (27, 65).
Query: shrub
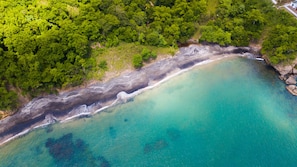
(153, 55)
(137, 61)
(146, 54)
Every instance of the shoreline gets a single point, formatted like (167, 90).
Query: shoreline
(85, 102)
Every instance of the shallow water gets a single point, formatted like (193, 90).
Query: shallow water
(233, 112)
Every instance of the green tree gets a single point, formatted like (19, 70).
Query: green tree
(137, 61)
(280, 46)
(155, 39)
(214, 34)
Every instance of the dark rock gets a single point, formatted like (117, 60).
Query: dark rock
(62, 148)
(191, 62)
(241, 50)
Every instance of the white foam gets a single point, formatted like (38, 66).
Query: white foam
(16, 136)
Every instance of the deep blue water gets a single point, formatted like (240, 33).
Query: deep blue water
(234, 112)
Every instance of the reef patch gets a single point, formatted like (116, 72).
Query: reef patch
(69, 152)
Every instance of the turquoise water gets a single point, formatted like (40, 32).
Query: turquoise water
(229, 113)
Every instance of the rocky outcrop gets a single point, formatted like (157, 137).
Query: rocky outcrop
(292, 89)
(284, 69)
(291, 80)
(295, 71)
(288, 73)
(55, 108)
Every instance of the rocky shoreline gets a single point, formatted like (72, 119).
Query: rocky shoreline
(50, 109)
(288, 73)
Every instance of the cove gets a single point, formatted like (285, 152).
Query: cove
(232, 112)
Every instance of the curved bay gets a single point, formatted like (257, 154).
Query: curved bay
(234, 112)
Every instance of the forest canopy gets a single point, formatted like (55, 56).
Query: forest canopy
(45, 45)
(242, 22)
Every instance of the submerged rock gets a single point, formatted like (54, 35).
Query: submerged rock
(67, 152)
(157, 145)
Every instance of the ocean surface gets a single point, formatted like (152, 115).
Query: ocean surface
(233, 112)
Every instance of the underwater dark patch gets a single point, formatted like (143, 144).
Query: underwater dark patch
(62, 148)
(156, 145)
(69, 152)
(112, 132)
(104, 162)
